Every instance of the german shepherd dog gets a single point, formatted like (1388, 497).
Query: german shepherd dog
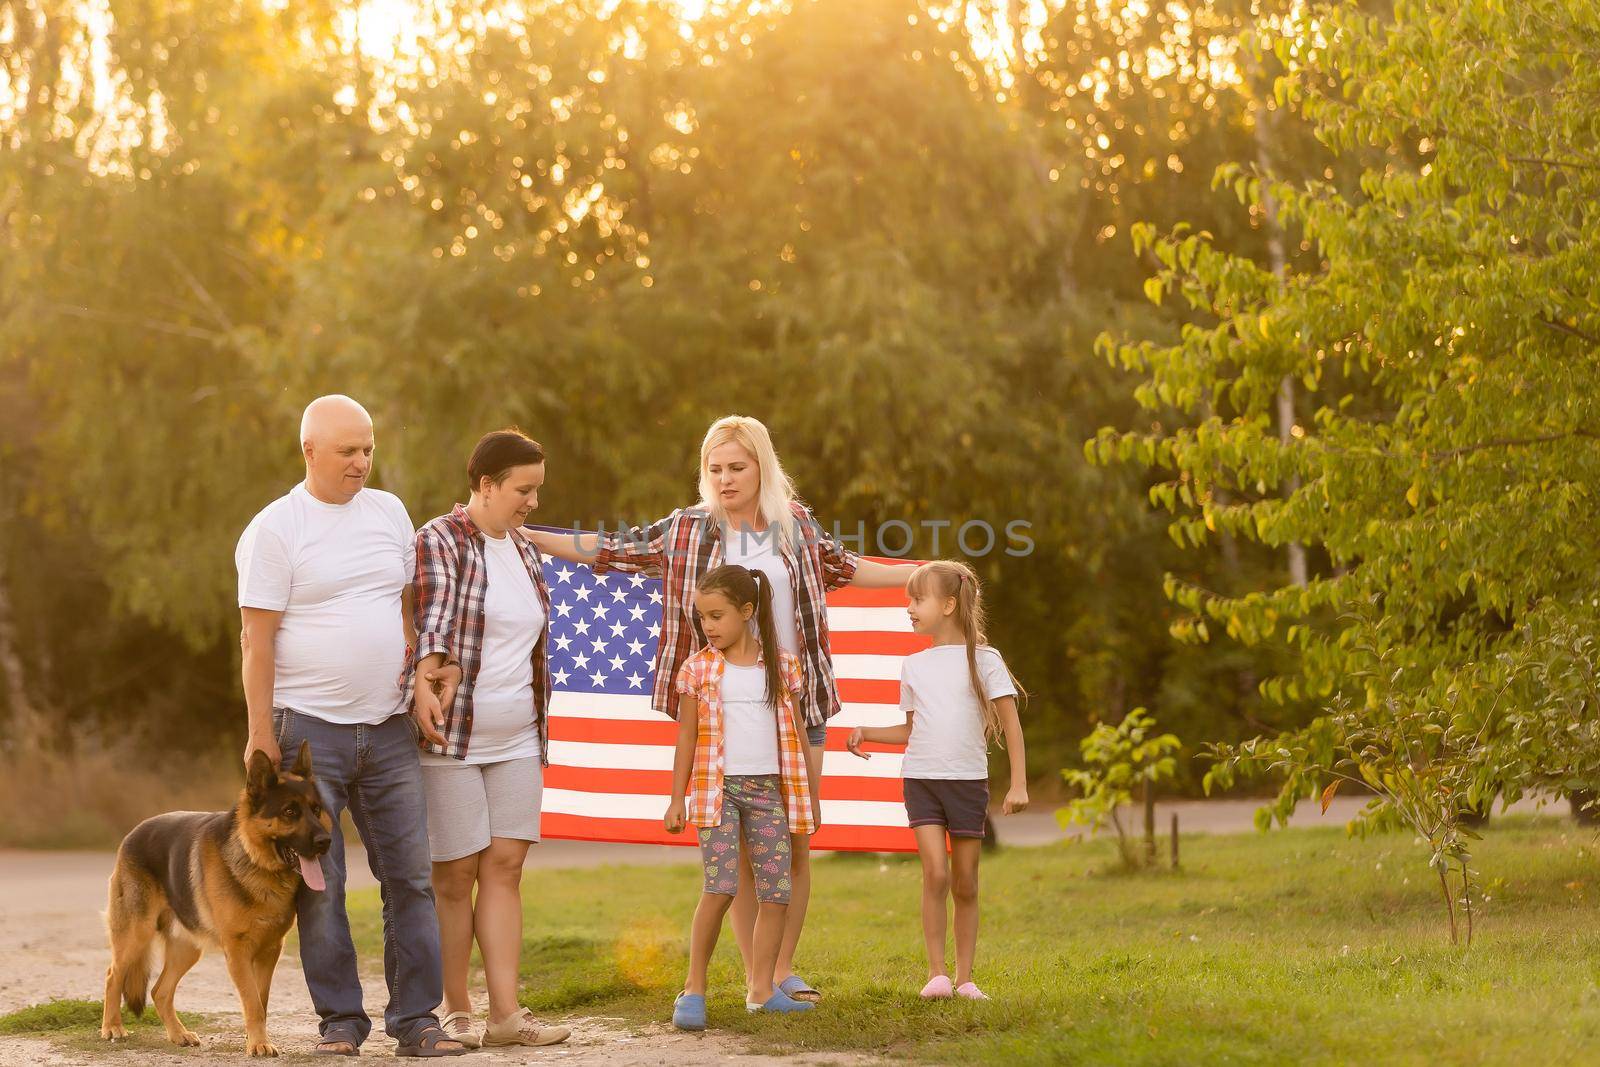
(189, 879)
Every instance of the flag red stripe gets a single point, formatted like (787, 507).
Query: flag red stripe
(663, 731)
(614, 731)
(869, 690)
(876, 643)
(851, 597)
(650, 831)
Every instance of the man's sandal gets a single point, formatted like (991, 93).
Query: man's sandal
(426, 1044)
(337, 1035)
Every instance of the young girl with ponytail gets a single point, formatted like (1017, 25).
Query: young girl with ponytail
(741, 759)
(957, 697)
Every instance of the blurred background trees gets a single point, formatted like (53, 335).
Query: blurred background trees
(892, 230)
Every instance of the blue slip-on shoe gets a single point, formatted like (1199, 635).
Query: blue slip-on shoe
(799, 989)
(689, 1011)
(779, 1002)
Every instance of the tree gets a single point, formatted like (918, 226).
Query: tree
(1448, 461)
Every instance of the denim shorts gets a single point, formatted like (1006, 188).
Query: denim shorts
(816, 735)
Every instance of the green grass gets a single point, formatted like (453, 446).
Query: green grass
(1296, 947)
(59, 1016)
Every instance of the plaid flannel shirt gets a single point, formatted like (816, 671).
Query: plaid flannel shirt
(452, 582)
(686, 545)
(701, 678)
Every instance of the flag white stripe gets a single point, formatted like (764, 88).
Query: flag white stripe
(853, 715)
(603, 756)
(645, 806)
(876, 668)
(881, 620)
(637, 709)
(605, 706)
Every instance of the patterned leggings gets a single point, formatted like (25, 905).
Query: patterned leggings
(752, 810)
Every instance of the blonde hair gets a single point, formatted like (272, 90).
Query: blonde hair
(945, 577)
(777, 491)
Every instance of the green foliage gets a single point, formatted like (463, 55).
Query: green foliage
(1443, 457)
(1120, 763)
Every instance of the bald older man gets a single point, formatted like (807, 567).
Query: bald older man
(325, 577)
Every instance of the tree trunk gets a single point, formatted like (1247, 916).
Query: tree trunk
(1279, 264)
(25, 728)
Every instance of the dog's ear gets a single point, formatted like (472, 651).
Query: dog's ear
(261, 775)
(302, 762)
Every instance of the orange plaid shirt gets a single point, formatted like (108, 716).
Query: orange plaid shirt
(701, 677)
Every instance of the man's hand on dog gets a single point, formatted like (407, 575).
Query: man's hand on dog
(267, 744)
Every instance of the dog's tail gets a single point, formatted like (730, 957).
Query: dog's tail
(136, 981)
(125, 924)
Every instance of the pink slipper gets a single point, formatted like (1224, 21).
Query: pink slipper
(971, 991)
(938, 988)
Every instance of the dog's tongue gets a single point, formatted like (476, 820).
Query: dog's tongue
(311, 871)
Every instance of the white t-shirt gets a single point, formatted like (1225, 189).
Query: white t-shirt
(749, 725)
(337, 572)
(502, 693)
(947, 739)
(759, 552)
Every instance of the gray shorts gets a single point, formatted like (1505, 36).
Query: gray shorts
(468, 803)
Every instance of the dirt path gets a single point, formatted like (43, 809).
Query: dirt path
(52, 946)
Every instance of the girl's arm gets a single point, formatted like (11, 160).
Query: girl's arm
(682, 761)
(883, 735)
(1011, 726)
(870, 574)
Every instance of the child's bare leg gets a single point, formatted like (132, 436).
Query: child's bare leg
(964, 890)
(719, 850)
(703, 938)
(744, 911)
(768, 938)
(799, 875)
(765, 844)
(935, 886)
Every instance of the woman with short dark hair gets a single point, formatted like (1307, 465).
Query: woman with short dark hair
(481, 602)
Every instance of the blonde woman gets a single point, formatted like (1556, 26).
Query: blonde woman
(748, 514)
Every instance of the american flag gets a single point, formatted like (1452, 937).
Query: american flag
(610, 770)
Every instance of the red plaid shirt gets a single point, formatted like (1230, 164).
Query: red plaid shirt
(701, 678)
(452, 581)
(686, 545)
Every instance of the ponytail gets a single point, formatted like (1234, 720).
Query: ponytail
(766, 630)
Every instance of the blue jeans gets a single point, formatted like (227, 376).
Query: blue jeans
(374, 771)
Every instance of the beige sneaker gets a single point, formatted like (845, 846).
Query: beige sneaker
(523, 1029)
(458, 1024)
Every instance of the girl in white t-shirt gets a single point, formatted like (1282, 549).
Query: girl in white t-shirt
(957, 696)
